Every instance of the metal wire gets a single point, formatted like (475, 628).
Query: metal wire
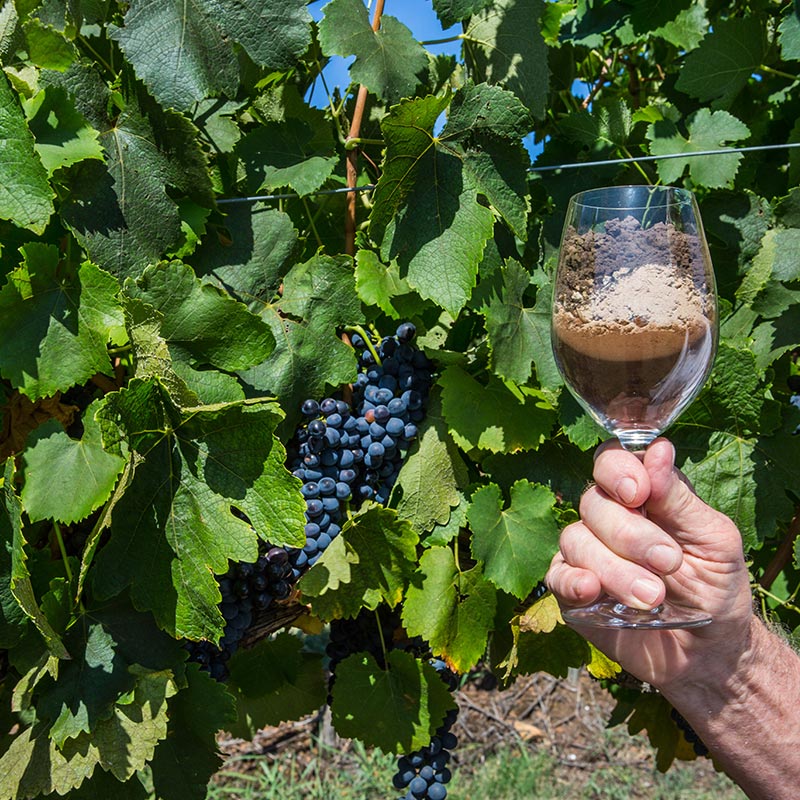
(368, 187)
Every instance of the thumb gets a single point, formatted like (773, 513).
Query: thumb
(673, 504)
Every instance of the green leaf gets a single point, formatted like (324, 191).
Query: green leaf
(396, 709)
(723, 63)
(708, 130)
(34, 765)
(69, 315)
(297, 353)
(322, 291)
(287, 154)
(63, 137)
(387, 60)
(679, 22)
(87, 473)
(201, 321)
(25, 194)
(195, 58)
(120, 211)
(276, 682)
(46, 47)
(503, 45)
(789, 35)
(251, 257)
(515, 337)
(515, 544)
(491, 417)
(488, 124)
(452, 610)
(187, 758)
(440, 236)
(774, 261)
(553, 652)
(194, 468)
(734, 386)
(382, 286)
(432, 474)
(12, 614)
(369, 562)
(452, 11)
(426, 211)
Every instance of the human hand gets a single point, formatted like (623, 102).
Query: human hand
(682, 548)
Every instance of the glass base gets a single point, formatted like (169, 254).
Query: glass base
(608, 613)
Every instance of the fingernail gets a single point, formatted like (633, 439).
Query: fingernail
(626, 490)
(647, 591)
(663, 558)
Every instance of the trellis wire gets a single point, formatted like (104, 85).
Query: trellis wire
(368, 187)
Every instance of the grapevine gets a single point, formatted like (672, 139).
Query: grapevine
(275, 358)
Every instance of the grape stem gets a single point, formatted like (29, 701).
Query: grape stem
(63, 549)
(368, 341)
(383, 641)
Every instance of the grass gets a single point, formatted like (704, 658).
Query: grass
(512, 774)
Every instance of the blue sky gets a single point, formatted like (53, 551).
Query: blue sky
(419, 17)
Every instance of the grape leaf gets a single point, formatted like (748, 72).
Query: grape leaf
(34, 765)
(773, 261)
(387, 60)
(251, 257)
(12, 615)
(382, 286)
(194, 467)
(577, 423)
(680, 22)
(440, 235)
(514, 337)
(708, 130)
(789, 35)
(451, 610)
(491, 417)
(431, 475)
(295, 371)
(322, 289)
(452, 11)
(63, 137)
(25, 194)
(87, 473)
(69, 314)
(186, 759)
(121, 211)
(735, 386)
(426, 212)
(396, 709)
(503, 45)
(515, 544)
(723, 63)
(275, 681)
(369, 562)
(287, 154)
(194, 57)
(200, 320)
(553, 652)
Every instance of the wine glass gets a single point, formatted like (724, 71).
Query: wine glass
(634, 331)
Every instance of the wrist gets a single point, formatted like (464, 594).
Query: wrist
(723, 678)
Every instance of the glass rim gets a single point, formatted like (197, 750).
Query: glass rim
(675, 195)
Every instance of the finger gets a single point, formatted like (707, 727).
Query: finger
(677, 509)
(621, 474)
(624, 580)
(570, 585)
(629, 534)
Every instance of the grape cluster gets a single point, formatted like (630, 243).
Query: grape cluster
(347, 453)
(424, 772)
(245, 588)
(344, 454)
(688, 733)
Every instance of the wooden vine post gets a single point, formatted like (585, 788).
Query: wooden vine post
(352, 153)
